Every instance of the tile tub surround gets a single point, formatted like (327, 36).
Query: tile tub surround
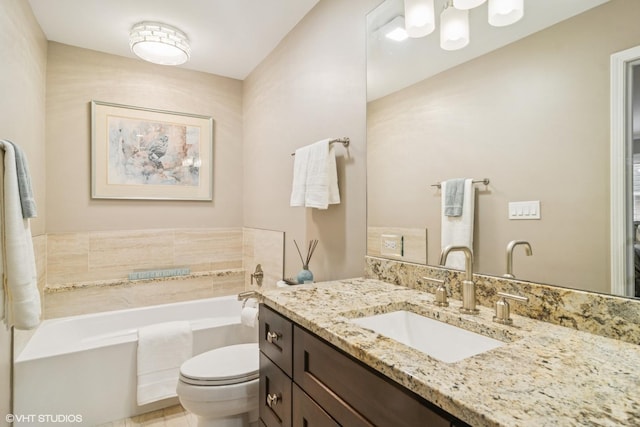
(105, 255)
(70, 299)
(87, 272)
(546, 375)
(264, 247)
(600, 314)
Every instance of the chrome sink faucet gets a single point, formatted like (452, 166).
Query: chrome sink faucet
(468, 285)
(512, 244)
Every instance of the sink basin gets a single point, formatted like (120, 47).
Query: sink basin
(439, 340)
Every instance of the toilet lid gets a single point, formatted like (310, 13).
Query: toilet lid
(223, 366)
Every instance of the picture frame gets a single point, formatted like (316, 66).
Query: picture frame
(147, 154)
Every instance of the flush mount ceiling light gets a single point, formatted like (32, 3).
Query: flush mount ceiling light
(159, 43)
(454, 19)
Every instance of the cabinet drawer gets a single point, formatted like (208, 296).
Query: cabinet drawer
(307, 413)
(276, 338)
(352, 393)
(275, 395)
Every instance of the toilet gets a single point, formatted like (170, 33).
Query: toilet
(220, 386)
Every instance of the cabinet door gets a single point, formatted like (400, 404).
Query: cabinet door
(307, 413)
(276, 338)
(275, 395)
(353, 394)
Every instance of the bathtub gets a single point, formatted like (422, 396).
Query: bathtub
(82, 369)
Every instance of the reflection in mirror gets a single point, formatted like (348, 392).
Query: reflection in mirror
(526, 106)
(635, 174)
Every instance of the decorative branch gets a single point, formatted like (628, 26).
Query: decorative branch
(299, 253)
(310, 250)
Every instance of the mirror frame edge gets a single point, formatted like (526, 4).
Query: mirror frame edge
(620, 258)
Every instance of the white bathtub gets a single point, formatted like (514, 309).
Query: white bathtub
(85, 366)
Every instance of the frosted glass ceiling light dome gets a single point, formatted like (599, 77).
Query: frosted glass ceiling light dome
(419, 17)
(159, 43)
(467, 4)
(505, 12)
(454, 28)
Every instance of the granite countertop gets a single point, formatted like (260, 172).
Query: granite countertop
(545, 375)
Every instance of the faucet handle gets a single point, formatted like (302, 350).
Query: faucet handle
(258, 275)
(441, 292)
(502, 308)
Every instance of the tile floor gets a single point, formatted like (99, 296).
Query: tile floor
(175, 416)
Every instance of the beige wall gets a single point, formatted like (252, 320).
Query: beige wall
(75, 77)
(23, 50)
(311, 87)
(534, 118)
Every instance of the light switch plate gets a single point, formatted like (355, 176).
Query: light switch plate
(392, 244)
(524, 210)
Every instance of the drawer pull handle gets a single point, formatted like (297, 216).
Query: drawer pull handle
(272, 400)
(272, 337)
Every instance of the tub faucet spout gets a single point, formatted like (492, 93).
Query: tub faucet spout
(468, 285)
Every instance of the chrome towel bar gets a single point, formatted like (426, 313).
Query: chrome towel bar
(475, 181)
(344, 141)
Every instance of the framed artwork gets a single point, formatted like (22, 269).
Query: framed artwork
(141, 153)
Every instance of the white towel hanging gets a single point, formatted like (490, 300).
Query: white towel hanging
(21, 296)
(315, 176)
(458, 230)
(162, 348)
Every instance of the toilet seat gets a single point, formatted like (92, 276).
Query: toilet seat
(229, 365)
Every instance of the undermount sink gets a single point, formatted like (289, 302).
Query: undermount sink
(439, 340)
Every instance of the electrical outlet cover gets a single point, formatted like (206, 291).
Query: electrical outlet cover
(392, 244)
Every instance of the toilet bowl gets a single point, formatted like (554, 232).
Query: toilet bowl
(220, 386)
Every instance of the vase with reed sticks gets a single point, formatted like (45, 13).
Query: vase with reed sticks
(305, 275)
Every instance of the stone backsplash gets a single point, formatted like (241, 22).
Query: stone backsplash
(600, 314)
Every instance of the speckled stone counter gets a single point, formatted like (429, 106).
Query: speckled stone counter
(75, 298)
(123, 281)
(600, 314)
(545, 375)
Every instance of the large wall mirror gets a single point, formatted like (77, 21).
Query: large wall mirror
(526, 106)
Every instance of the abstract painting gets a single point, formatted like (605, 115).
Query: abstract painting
(141, 153)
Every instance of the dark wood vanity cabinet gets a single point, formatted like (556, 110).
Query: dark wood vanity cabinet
(306, 382)
(276, 368)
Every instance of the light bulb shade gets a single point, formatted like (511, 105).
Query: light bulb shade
(467, 4)
(505, 12)
(419, 17)
(159, 43)
(454, 28)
